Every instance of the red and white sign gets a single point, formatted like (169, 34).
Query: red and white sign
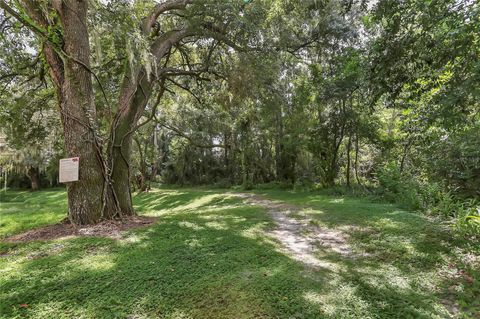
(69, 169)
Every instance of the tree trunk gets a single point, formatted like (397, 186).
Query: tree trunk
(153, 158)
(89, 199)
(121, 169)
(332, 168)
(406, 148)
(245, 153)
(357, 150)
(226, 154)
(349, 146)
(133, 99)
(33, 175)
(86, 197)
(279, 156)
(141, 179)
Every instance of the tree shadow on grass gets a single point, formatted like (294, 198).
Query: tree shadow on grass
(167, 199)
(22, 211)
(408, 247)
(42, 196)
(213, 264)
(382, 230)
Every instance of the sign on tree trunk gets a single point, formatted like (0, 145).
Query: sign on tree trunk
(69, 169)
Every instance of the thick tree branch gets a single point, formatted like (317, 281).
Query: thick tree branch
(166, 41)
(175, 71)
(155, 106)
(221, 37)
(186, 136)
(37, 23)
(162, 8)
(26, 22)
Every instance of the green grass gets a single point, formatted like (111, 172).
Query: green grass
(21, 211)
(210, 256)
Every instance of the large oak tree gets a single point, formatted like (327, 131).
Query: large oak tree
(167, 40)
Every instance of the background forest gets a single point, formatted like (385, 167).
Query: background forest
(375, 98)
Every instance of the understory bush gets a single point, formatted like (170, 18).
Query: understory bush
(467, 222)
(399, 187)
(222, 183)
(274, 185)
(420, 194)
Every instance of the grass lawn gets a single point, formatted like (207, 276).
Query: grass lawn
(211, 255)
(21, 211)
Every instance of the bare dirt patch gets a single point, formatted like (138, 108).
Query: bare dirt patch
(299, 238)
(110, 229)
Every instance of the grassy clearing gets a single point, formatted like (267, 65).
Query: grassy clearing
(410, 259)
(210, 256)
(21, 211)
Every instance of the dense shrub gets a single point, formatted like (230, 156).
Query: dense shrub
(455, 160)
(467, 221)
(397, 187)
(416, 193)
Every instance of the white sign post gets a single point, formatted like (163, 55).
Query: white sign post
(69, 169)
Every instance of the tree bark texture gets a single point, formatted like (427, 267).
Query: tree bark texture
(78, 114)
(34, 176)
